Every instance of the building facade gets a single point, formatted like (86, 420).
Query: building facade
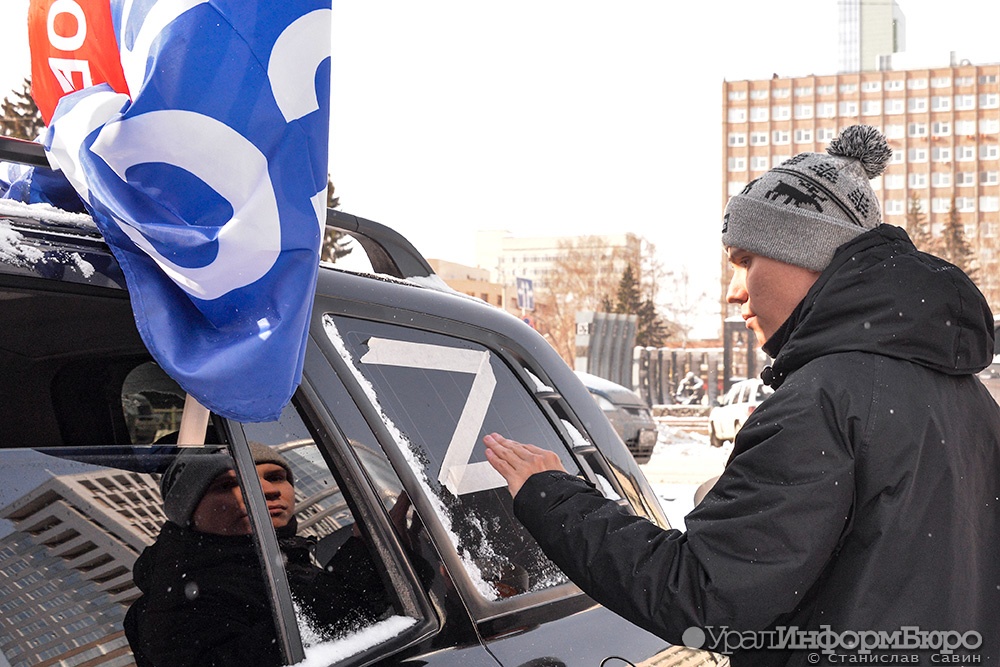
(66, 568)
(943, 125)
(870, 32)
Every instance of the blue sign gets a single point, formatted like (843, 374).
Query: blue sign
(525, 294)
(208, 180)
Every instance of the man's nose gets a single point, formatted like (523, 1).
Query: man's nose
(270, 490)
(737, 292)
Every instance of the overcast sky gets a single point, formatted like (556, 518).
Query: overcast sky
(563, 116)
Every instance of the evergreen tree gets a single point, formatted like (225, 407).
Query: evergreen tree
(20, 116)
(917, 225)
(651, 331)
(627, 300)
(334, 242)
(954, 246)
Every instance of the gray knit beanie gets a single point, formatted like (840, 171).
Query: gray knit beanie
(189, 475)
(801, 211)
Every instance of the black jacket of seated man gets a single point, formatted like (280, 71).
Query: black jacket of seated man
(204, 601)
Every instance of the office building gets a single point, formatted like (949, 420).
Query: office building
(66, 568)
(870, 32)
(942, 123)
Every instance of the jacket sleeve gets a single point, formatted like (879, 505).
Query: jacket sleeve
(753, 548)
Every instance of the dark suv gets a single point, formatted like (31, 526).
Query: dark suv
(378, 437)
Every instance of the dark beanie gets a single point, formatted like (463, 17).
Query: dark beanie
(185, 481)
(801, 211)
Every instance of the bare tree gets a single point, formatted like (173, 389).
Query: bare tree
(682, 303)
(585, 276)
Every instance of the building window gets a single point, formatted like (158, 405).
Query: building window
(894, 131)
(918, 180)
(964, 179)
(780, 93)
(848, 88)
(917, 155)
(965, 102)
(737, 164)
(941, 179)
(897, 157)
(826, 110)
(941, 129)
(871, 107)
(894, 107)
(894, 84)
(779, 137)
(963, 81)
(917, 104)
(965, 204)
(893, 181)
(989, 101)
(988, 151)
(759, 163)
(989, 126)
(917, 129)
(849, 108)
(941, 103)
(825, 134)
(803, 136)
(965, 153)
(824, 90)
(941, 154)
(758, 138)
(988, 78)
(989, 204)
(940, 204)
(737, 115)
(916, 84)
(737, 139)
(941, 82)
(758, 94)
(758, 114)
(966, 127)
(871, 86)
(988, 178)
(803, 91)
(894, 207)
(781, 112)
(778, 159)
(737, 95)
(803, 111)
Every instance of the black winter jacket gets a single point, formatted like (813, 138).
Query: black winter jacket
(204, 602)
(863, 495)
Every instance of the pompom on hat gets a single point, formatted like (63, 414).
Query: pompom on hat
(801, 211)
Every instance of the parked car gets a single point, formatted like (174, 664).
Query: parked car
(366, 438)
(726, 419)
(627, 412)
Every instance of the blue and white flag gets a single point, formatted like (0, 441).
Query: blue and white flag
(208, 180)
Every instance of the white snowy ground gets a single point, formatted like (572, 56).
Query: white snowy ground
(681, 461)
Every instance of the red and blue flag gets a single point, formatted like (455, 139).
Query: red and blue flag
(204, 164)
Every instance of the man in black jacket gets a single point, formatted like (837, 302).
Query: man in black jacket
(858, 518)
(203, 600)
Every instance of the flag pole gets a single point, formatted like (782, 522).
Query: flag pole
(194, 422)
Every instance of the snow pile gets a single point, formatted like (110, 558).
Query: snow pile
(46, 213)
(330, 652)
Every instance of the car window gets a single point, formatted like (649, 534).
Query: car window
(70, 533)
(440, 395)
(345, 608)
